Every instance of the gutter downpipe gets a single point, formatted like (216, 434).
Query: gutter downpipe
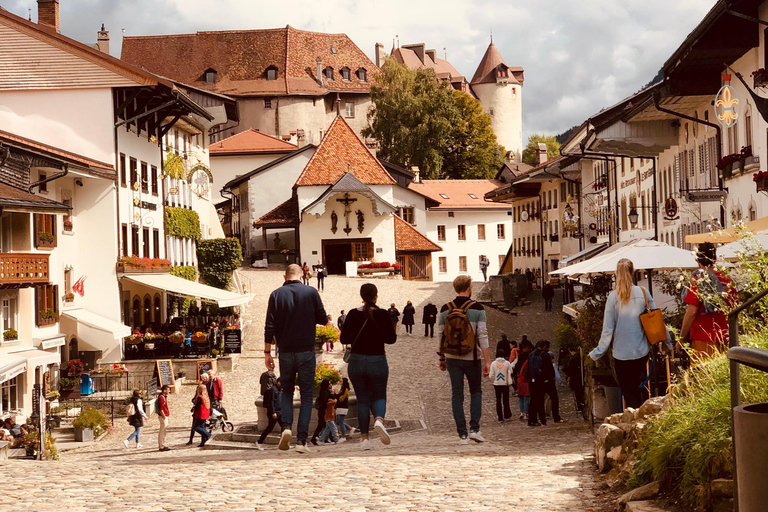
(50, 178)
(541, 238)
(718, 135)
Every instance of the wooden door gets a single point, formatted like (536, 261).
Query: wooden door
(415, 266)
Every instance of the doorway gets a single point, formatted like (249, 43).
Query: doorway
(336, 257)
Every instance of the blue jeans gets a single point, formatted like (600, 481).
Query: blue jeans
(303, 364)
(473, 371)
(135, 434)
(369, 375)
(198, 425)
(342, 424)
(331, 431)
(524, 402)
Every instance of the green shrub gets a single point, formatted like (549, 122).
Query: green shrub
(185, 272)
(323, 371)
(68, 382)
(182, 223)
(565, 336)
(216, 260)
(91, 418)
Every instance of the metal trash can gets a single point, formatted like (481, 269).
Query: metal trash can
(751, 438)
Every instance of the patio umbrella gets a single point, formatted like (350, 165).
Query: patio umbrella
(729, 252)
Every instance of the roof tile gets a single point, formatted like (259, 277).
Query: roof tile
(407, 239)
(459, 193)
(250, 141)
(286, 215)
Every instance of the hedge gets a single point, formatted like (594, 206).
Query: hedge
(182, 223)
(217, 258)
(186, 272)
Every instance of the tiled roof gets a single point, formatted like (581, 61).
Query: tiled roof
(241, 58)
(285, 215)
(14, 199)
(485, 73)
(67, 155)
(250, 141)
(443, 68)
(274, 163)
(339, 152)
(407, 239)
(459, 193)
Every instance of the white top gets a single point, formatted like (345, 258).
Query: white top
(501, 372)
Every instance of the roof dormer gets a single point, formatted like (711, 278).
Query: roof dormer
(502, 74)
(346, 73)
(362, 74)
(271, 72)
(328, 73)
(209, 75)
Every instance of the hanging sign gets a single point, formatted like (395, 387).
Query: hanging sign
(670, 209)
(727, 106)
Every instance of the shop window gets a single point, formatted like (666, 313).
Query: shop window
(10, 398)
(158, 312)
(441, 233)
(462, 263)
(481, 231)
(45, 231)
(500, 231)
(147, 310)
(136, 312)
(46, 305)
(462, 232)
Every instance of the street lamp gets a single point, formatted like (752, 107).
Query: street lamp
(633, 217)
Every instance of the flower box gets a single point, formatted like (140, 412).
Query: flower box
(134, 264)
(761, 181)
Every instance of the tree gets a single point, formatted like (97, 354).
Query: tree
(530, 153)
(420, 121)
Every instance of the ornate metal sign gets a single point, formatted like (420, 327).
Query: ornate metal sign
(727, 106)
(670, 209)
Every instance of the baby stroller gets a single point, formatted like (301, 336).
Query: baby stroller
(218, 418)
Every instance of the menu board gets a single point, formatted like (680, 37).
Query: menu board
(203, 365)
(165, 375)
(152, 388)
(233, 340)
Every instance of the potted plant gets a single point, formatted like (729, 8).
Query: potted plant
(10, 335)
(89, 424)
(75, 367)
(67, 225)
(326, 371)
(761, 181)
(323, 334)
(48, 314)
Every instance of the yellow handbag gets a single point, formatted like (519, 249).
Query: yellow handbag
(653, 323)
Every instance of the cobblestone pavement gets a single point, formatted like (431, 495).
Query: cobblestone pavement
(518, 468)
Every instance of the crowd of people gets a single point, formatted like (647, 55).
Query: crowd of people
(13, 432)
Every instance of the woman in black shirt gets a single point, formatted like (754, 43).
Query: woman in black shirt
(367, 329)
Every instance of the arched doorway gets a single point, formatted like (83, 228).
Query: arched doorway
(74, 352)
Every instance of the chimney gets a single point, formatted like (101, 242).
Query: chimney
(319, 71)
(542, 152)
(48, 13)
(103, 40)
(418, 49)
(417, 175)
(432, 54)
(380, 55)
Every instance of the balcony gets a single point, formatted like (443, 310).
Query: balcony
(18, 270)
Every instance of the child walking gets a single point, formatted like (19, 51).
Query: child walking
(500, 376)
(331, 430)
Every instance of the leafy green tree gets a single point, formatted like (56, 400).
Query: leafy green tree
(530, 153)
(419, 120)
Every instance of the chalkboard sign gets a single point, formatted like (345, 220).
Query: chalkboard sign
(233, 339)
(203, 365)
(165, 375)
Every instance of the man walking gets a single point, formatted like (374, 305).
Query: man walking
(215, 390)
(428, 319)
(484, 267)
(320, 271)
(340, 321)
(292, 313)
(541, 371)
(548, 293)
(461, 329)
(161, 408)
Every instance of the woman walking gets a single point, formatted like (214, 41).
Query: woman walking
(136, 420)
(409, 312)
(306, 274)
(202, 411)
(367, 329)
(394, 315)
(621, 323)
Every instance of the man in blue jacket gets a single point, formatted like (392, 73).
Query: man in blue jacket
(293, 312)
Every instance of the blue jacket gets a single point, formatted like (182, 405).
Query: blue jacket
(294, 310)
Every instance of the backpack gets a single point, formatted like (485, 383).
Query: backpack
(707, 286)
(458, 338)
(157, 406)
(130, 410)
(535, 365)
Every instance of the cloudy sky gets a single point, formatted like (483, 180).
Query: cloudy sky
(579, 55)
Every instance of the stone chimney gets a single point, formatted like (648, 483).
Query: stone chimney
(541, 152)
(319, 71)
(48, 13)
(380, 55)
(416, 174)
(103, 40)
(432, 54)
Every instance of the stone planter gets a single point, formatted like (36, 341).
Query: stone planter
(84, 435)
(750, 423)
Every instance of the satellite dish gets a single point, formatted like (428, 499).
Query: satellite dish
(524, 215)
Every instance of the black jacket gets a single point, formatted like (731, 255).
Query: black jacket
(408, 313)
(294, 310)
(430, 314)
(377, 332)
(272, 401)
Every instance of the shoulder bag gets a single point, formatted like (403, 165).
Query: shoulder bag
(653, 322)
(348, 351)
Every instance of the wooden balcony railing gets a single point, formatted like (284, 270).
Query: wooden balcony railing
(23, 269)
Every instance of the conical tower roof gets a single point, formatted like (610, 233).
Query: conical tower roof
(485, 73)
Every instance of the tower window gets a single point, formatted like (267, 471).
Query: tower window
(490, 111)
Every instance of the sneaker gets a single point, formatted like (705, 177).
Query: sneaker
(314, 441)
(522, 416)
(352, 430)
(365, 444)
(285, 439)
(165, 449)
(463, 440)
(126, 443)
(341, 440)
(537, 424)
(561, 420)
(476, 437)
(302, 448)
(383, 435)
(329, 441)
(260, 447)
(139, 445)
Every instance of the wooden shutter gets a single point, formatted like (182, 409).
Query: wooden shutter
(55, 304)
(38, 310)
(53, 230)
(35, 229)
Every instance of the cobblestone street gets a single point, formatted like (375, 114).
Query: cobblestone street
(518, 468)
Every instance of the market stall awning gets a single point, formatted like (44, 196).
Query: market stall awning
(93, 331)
(37, 357)
(583, 255)
(11, 365)
(747, 246)
(728, 235)
(177, 285)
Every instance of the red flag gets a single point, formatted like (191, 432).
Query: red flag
(79, 286)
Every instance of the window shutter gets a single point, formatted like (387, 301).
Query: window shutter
(35, 229)
(38, 295)
(56, 299)
(691, 164)
(53, 229)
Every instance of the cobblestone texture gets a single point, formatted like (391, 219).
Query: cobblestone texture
(518, 468)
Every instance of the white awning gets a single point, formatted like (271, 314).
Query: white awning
(583, 255)
(36, 357)
(93, 331)
(180, 286)
(11, 365)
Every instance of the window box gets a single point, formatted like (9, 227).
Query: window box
(135, 264)
(761, 181)
(67, 225)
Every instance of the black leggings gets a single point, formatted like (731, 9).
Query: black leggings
(632, 375)
(408, 328)
(270, 426)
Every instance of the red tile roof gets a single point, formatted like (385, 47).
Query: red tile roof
(250, 141)
(407, 239)
(406, 55)
(458, 192)
(241, 58)
(340, 151)
(485, 73)
(285, 215)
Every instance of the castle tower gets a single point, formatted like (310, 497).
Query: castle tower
(499, 89)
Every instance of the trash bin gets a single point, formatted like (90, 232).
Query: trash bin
(751, 437)
(86, 385)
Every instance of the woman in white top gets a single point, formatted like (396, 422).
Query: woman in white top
(621, 324)
(137, 419)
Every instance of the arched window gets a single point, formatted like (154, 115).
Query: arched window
(158, 312)
(147, 309)
(271, 73)
(136, 312)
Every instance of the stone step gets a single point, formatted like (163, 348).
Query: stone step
(645, 506)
